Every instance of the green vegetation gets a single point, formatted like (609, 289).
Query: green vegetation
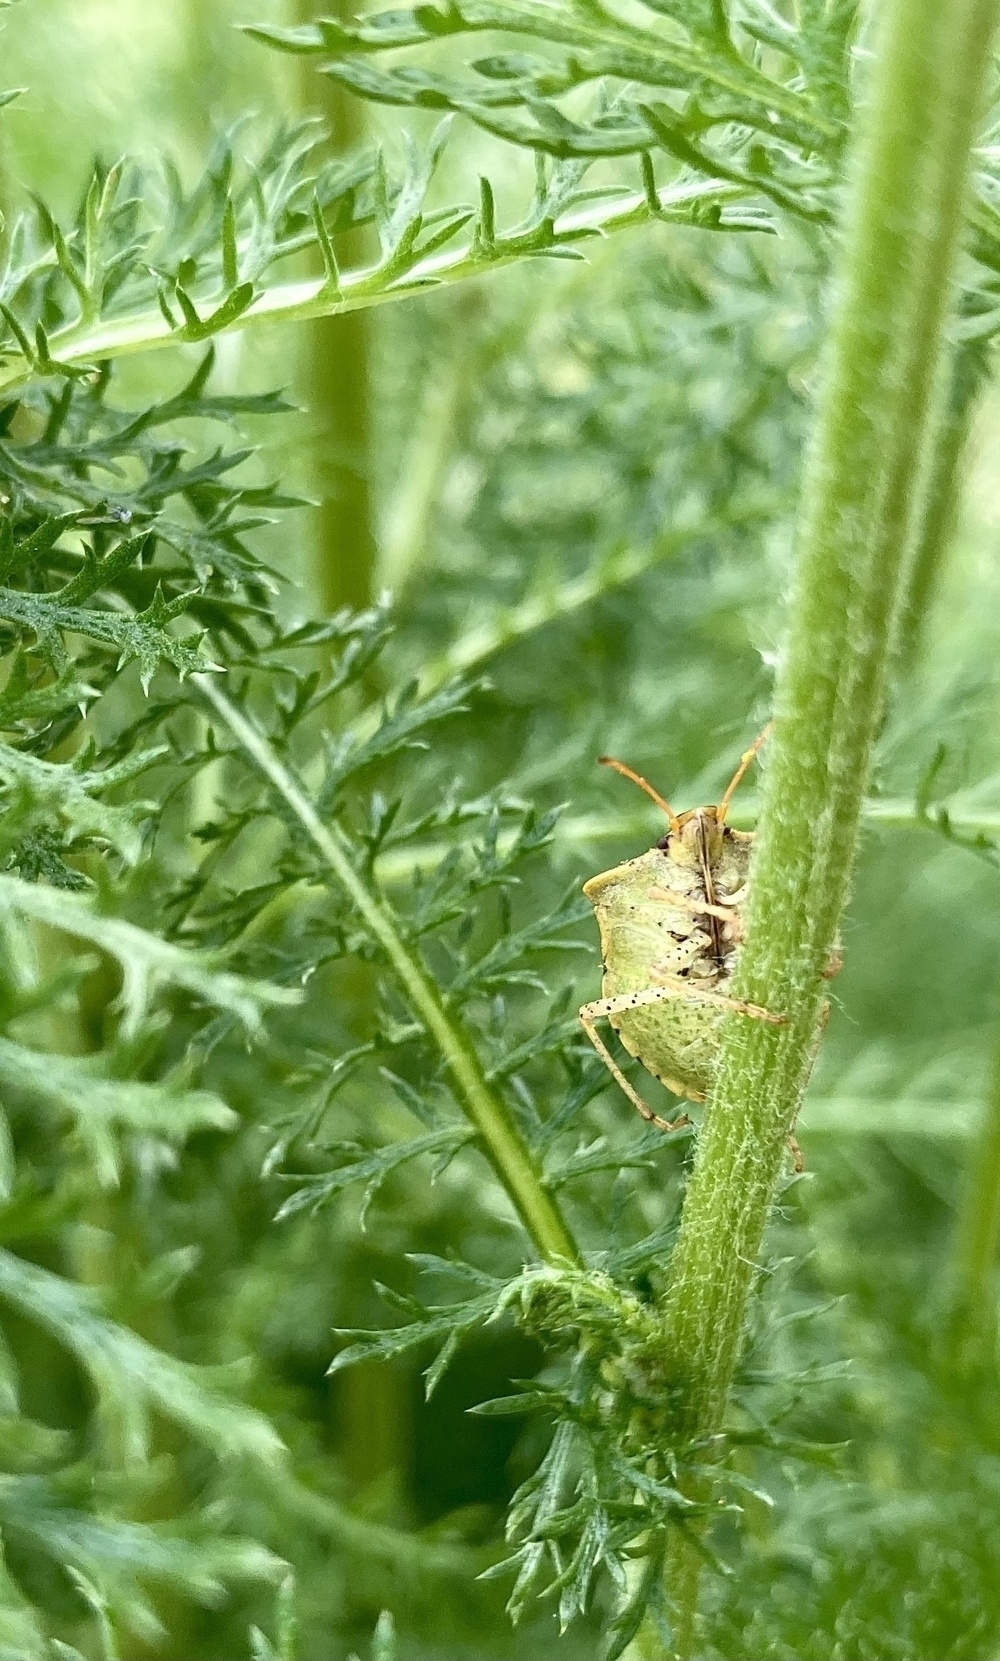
(346, 1307)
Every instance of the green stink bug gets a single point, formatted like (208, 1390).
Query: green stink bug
(671, 924)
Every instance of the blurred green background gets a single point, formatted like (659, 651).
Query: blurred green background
(506, 440)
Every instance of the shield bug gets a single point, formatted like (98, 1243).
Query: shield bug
(671, 925)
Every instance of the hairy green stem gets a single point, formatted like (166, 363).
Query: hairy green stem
(295, 302)
(860, 499)
(501, 1139)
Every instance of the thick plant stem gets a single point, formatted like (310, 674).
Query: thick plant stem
(501, 1140)
(860, 499)
(336, 385)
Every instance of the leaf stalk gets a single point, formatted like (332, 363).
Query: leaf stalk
(83, 344)
(501, 1140)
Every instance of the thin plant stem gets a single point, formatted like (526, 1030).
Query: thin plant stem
(500, 1137)
(968, 1322)
(962, 826)
(410, 520)
(977, 1232)
(966, 375)
(397, 865)
(875, 418)
(619, 567)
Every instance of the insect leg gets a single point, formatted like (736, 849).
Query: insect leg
(588, 1014)
(668, 986)
(697, 908)
(737, 898)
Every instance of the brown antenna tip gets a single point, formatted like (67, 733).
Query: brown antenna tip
(644, 784)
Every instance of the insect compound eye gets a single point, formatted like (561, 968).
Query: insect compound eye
(664, 843)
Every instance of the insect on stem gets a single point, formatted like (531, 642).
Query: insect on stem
(669, 947)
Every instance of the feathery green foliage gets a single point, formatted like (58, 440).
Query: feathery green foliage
(336, 1278)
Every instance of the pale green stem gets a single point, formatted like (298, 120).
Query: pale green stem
(966, 375)
(336, 382)
(336, 378)
(977, 1232)
(398, 865)
(410, 1555)
(616, 569)
(585, 829)
(411, 513)
(860, 499)
(477, 342)
(619, 567)
(502, 1141)
(295, 302)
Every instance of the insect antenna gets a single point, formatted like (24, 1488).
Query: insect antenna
(644, 784)
(737, 778)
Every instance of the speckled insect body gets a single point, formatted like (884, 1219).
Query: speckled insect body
(671, 924)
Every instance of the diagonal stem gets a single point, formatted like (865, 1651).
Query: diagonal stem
(504, 1146)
